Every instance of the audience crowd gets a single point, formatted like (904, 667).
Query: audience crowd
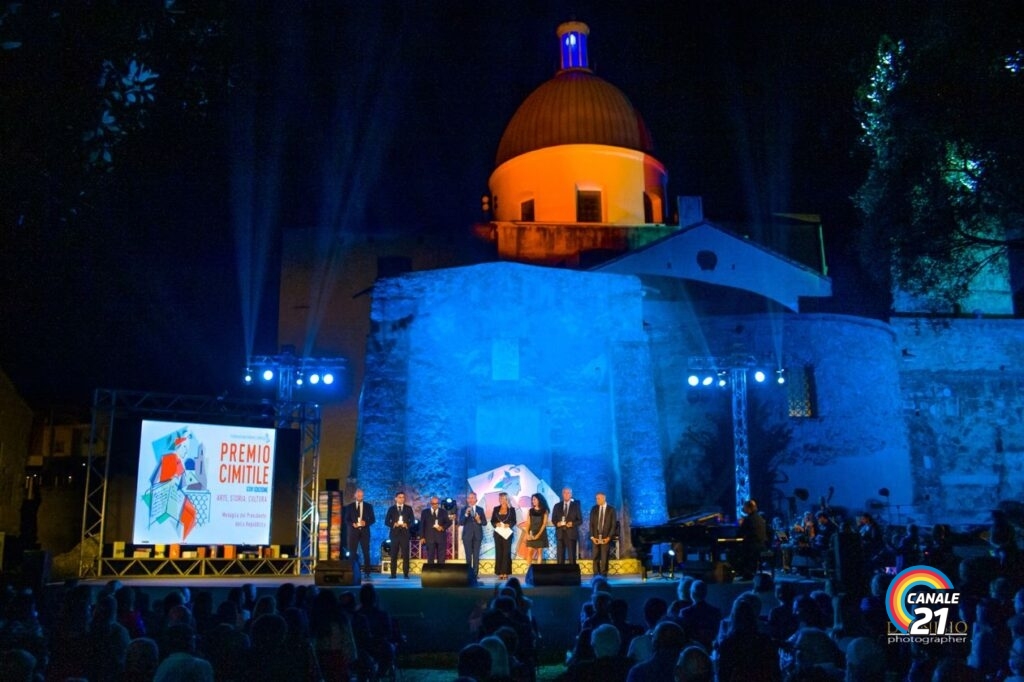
(782, 629)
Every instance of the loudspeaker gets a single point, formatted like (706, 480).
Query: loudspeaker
(445, 575)
(345, 572)
(35, 570)
(708, 571)
(543, 575)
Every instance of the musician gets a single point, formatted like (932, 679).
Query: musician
(602, 528)
(358, 517)
(434, 524)
(799, 540)
(754, 534)
(472, 519)
(567, 518)
(399, 518)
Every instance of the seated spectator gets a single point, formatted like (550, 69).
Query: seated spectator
(334, 640)
(520, 671)
(69, 638)
(298, 646)
(474, 662)
(782, 622)
(865, 661)
(377, 632)
(810, 654)
(108, 641)
(227, 650)
(606, 664)
(619, 612)
(1016, 661)
(744, 653)
(989, 648)
(669, 640)
(500, 671)
(694, 665)
(181, 662)
(268, 658)
(141, 660)
(127, 615)
(18, 665)
(847, 623)
(642, 646)
(700, 620)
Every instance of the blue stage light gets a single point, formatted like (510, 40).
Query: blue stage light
(248, 376)
(328, 378)
(314, 378)
(707, 381)
(693, 380)
(759, 376)
(268, 374)
(298, 379)
(780, 376)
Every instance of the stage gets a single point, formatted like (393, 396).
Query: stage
(442, 619)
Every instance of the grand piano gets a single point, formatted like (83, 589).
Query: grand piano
(703, 533)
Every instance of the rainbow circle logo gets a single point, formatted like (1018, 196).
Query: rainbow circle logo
(907, 581)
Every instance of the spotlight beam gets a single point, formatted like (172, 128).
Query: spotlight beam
(738, 368)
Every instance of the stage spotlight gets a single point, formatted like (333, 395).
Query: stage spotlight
(448, 504)
(722, 379)
(298, 379)
(248, 376)
(268, 374)
(328, 378)
(707, 381)
(780, 376)
(314, 378)
(693, 380)
(385, 548)
(759, 376)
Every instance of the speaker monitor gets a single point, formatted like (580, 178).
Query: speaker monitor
(337, 573)
(544, 575)
(445, 575)
(709, 571)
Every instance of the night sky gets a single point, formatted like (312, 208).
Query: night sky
(400, 108)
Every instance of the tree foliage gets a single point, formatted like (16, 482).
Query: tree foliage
(82, 82)
(940, 115)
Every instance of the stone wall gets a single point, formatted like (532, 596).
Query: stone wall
(855, 443)
(963, 401)
(471, 368)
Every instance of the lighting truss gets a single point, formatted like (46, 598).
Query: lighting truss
(721, 371)
(290, 372)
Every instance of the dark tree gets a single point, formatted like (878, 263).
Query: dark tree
(941, 112)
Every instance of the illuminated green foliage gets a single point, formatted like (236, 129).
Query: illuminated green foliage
(940, 113)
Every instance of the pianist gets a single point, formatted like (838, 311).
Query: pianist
(754, 533)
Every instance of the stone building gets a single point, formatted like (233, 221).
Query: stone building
(572, 354)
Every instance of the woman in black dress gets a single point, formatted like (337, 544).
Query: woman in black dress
(537, 533)
(503, 518)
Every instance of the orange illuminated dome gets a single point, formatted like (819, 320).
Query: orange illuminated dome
(575, 157)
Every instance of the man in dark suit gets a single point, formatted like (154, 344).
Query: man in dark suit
(399, 518)
(358, 517)
(472, 520)
(434, 524)
(567, 518)
(602, 528)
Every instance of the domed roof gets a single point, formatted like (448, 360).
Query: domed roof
(574, 107)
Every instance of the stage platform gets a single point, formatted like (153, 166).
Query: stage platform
(437, 619)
